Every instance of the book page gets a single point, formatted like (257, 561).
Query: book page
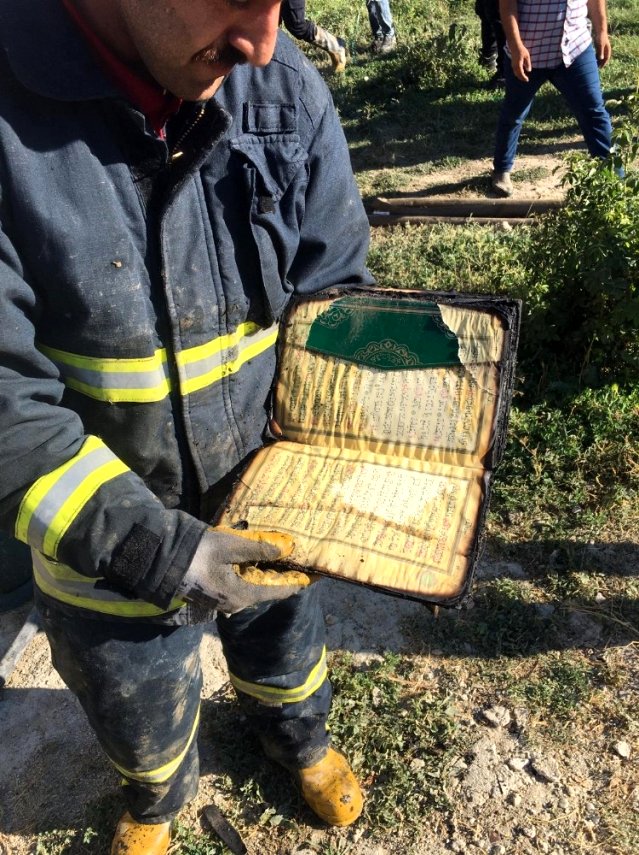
(403, 525)
(425, 387)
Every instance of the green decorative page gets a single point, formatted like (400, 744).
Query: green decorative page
(385, 334)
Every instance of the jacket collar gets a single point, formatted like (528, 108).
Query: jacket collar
(48, 54)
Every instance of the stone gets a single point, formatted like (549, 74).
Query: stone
(622, 749)
(521, 717)
(496, 716)
(545, 768)
(518, 764)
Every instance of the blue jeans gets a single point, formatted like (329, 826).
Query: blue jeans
(580, 86)
(380, 17)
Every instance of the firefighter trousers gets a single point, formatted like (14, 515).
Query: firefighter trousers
(139, 684)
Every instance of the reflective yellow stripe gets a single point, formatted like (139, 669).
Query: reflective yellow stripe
(52, 503)
(162, 773)
(146, 380)
(274, 694)
(263, 340)
(64, 584)
(142, 380)
(194, 354)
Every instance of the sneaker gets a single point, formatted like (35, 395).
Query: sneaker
(497, 81)
(488, 62)
(501, 183)
(384, 44)
(389, 43)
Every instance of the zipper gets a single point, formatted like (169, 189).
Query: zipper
(176, 152)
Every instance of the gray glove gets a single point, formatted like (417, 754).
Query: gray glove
(220, 575)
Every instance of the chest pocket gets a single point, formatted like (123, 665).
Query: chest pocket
(275, 176)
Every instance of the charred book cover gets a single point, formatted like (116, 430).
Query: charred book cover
(391, 410)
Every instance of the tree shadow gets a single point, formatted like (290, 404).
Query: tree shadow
(53, 775)
(393, 118)
(499, 621)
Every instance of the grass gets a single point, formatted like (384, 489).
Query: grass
(561, 638)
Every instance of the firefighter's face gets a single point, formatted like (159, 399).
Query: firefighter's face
(189, 46)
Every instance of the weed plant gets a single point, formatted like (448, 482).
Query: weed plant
(583, 268)
(399, 738)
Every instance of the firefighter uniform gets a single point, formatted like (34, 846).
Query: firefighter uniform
(143, 279)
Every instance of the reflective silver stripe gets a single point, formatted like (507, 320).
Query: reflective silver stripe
(276, 695)
(143, 380)
(45, 513)
(206, 364)
(146, 380)
(53, 501)
(62, 583)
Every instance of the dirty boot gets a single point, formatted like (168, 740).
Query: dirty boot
(501, 183)
(333, 46)
(331, 790)
(135, 838)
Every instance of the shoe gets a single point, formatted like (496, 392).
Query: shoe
(331, 790)
(384, 44)
(387, 44)
(501, 183)
(136, 838)
(488, 62)
(497, 81)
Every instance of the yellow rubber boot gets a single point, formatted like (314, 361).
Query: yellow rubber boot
(135, 838)
(331, 790)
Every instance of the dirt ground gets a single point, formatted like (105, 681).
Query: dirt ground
(50, 763)
(535, 176)
(510, 799)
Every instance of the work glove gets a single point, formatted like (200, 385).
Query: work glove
(222, 576)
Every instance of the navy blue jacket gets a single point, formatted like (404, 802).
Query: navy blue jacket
(141, 282)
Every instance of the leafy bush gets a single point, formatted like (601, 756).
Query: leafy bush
(442, 59)
(570, 461)
(583, 268)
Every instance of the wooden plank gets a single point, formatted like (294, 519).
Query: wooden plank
(425, 206)
(384, 218)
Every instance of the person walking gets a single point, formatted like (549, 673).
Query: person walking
(552, 40)
(171, 173)
(306, 30)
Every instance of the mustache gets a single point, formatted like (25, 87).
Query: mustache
(226, 55)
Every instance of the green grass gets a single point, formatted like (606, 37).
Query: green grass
(403, 766)
(429, 100)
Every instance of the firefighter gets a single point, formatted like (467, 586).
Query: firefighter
(171, 172)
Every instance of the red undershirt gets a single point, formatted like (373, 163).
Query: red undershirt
(156, 103)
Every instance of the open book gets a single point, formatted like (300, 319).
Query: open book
(392, 409)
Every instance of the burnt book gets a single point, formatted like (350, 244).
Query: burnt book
(391, 409)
